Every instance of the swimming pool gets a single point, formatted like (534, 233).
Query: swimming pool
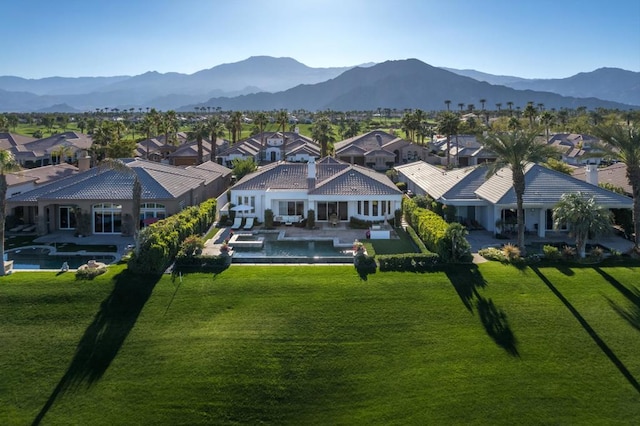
(292, 251)
(41, 258)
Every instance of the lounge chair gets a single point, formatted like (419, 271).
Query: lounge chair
(17, 228)
(237, 223)
(249, 223)
(29, 228)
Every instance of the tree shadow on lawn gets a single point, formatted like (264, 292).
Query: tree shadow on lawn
(596, 338)
(105, 335)
(467, 279)
(632, 315)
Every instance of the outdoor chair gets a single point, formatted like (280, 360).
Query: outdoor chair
(249, 224)
(237, 223)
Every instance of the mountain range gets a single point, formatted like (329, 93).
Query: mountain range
(265, 83)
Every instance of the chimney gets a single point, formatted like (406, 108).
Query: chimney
(311, 170)
(84, 162)
(591, 174)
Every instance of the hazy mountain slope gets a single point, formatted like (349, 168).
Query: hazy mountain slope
(399, 84)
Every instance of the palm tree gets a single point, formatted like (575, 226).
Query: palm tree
(448, 124)
(216, 129)
(447, 103)
(461, 106)
(546, 119)
(623, 142)
(510, 105)
(498, 106)
(515, 150)
(198, 132)
(136, 191)
(531, 113)
(282, 118)
(583, 216)
(7, 164)
(322, 132)
(261, 120)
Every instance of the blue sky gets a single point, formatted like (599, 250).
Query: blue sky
(525, 38)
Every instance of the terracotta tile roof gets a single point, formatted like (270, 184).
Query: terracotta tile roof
(615, 174)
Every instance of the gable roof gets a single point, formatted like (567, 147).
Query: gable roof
(9, 140)
(615, 174)
(456, 184)
(369, 141)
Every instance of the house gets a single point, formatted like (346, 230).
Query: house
(45, 151)
(576, 149)
(491, 201)
(298, 148)
(464, 150)
(378, 150)
(9, 141)
(615, 174)
(99, 201)
(28, 179)
(334, 190)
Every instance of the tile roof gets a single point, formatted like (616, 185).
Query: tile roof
(544, 186)
(615, 174)
(9, 140)
(41, 175)
(159, 181)
(439, 183)
(332, 177)
(368, 141)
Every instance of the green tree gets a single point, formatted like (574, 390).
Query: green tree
(322, 132)
(516, 150)
(261, 120)
(559, 166)
(4, 123)
(216, 130)
(7, 164)
(448, 124)
(243, 166)
(282, 118)
(121, 148)
(531, 113)
(199, 131)
(623, 142)
(583, 216)
(546, 119)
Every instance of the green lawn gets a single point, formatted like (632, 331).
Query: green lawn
(317, 345)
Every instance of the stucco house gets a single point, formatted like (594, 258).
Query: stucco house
(489, 200)
(45, 151)
(278, 146)
(27, 179)
(99, 200)
(378, 150)
(576, 149)
(334, 190)
(464, 150)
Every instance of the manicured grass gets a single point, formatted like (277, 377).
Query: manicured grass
(395, 246)
(483, 344)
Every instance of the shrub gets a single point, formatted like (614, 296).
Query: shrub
(397, 215)
(86, 273)
(416, 240)
(511, 252)
(402, 186)
(596, 254)
(356, 223)
(492, 253)
(410, 262)
(568, 252)
(268, 218)
(191, 246)
(311, 219)
(550, 252)
(201, 263)
(364, 264)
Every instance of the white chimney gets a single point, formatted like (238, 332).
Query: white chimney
(311, 170)
(84, 162)
(591, 173)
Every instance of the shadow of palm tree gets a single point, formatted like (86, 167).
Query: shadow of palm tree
(466, 279)
(495, 322)
(592, 333)
(105, 335)
(632, 315)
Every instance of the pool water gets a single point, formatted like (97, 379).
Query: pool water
(274, 250)
(40, 258)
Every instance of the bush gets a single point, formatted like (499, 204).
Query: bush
(86, 273)
(201, 263)
(402, 186)
(364, 264)
(551, 252)
(268, 219)
(492, 253)
(596, 254)
(191, 246)
(311, 219)
(511, 252)
(410, 262)
(568, 252)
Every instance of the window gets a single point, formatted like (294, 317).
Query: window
(366, 208)
(290, 208)
(107, 218)
(151, 212)
(67, 218)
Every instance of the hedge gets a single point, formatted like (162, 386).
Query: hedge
(201, 263)
(158, 244)
(411, 262)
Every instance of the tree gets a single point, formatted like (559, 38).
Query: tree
(136, 189)
(198, 132)
(583, 216)
(4, 123)
(546, 119)
(243, 166)
(169, 125)
(216, 129)
(235, 126)
(261, 120)
(7, 164)
(448, 124)
(282, 118)
(447, 103)
(558, 166)
(515, 150)
(322, 132)
(623, 142)
(531, 113)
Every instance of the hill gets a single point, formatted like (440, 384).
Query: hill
(400, 84)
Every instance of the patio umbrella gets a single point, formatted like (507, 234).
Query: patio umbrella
(241, 208)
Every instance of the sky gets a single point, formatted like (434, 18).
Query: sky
(523, 38)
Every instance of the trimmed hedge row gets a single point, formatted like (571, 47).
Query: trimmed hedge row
(416, 240)
(159, 243)
(411, 262)
(201, 263)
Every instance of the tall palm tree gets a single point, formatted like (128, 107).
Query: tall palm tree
(322, 131)
(261, 120)
(546, 119)
(510, 105)
(515, 150)
(216, 129)
(448, 124)
(531, 113)
(7, 164)
(482, 102)
(623, 142)
(583, 216)
(199, 131)
(498, 106)
(282, 118)
(136, 190)
(447, 103)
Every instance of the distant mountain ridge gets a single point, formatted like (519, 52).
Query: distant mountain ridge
(612, 84)
(400, 84)
(271, 82)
